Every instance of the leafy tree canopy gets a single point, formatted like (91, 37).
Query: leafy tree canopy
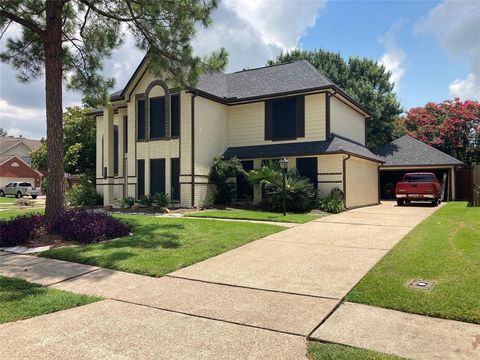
(364, 80)
(3, 132)
(80, 144)
(452, 126)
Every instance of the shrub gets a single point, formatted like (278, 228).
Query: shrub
(83, 194)
(161, 199)
(332, 203)
(18, 230)
(127, 202)
(299, 192)
(87, 226)
(23, 202)
(220, 173)
(209, 202)
(147, 200)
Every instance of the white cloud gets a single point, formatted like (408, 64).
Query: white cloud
(18, 120)
(394, 57)
(256, 31)
(280, 23)
(456, 25)
(466, 88)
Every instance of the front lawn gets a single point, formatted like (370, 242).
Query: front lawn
(322, 351)
(240, 214)
(7, 200)
(9, 214)
(161, 245)
(20, 299)
(444, 248)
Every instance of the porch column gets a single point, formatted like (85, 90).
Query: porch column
(108, 154)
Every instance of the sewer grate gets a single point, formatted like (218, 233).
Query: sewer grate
(421, 284)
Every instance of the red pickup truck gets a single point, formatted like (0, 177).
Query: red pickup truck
(418, 187)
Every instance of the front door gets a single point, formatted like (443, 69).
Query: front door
(307, 167)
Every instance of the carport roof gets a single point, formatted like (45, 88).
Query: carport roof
(407, 151)
(334, 145)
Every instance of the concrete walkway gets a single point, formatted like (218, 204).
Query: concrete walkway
(259, 301)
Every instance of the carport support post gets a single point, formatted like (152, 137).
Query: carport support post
(453, 175)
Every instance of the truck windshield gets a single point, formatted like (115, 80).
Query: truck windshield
(419, 178)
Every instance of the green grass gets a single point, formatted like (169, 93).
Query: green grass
(7, 200)
(322, 351)
(20, 300)
(444, 248)
(162, 245)
(255, 215)
(10, 214)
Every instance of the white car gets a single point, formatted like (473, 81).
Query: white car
(19, 189)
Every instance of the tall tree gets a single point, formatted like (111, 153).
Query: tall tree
(452, 126)
(67, 40)
(3, 132)
(365, 80)
(79, 144)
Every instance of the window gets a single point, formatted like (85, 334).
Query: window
(307, 167)
(285, 118)
(157, 117)
(175, 179)
(175, 113)
(141, 119)
(115, 150)
(125, 134)
(419, 178)
(140, 179)
(157, 176)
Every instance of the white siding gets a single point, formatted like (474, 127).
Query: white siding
(346, 122)
(246, 122)
(361, 182)
(330, 173)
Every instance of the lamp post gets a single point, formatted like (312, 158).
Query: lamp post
(284, 164)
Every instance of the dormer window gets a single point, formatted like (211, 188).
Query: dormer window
(157, 117)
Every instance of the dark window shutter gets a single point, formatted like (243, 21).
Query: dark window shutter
(141, 119)
(268, 120)
(115, 150)
(175, 114)
(300, 116)
(140, 178)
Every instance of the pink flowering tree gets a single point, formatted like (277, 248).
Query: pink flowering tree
(452, 126)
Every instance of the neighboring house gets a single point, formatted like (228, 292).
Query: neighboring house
(407, 154)
(154, 138)
(15, 160)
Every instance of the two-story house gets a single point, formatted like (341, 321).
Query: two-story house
(154, 138)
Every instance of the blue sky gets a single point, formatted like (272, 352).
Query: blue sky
(431, 47)
(354, 28)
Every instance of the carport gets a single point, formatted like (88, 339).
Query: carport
(407, 154)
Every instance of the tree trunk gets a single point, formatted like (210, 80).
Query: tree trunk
(53, 94)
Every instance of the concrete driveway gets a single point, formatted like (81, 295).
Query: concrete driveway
(259, 301)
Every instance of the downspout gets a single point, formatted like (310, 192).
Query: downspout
(192, 108)
(378, 184)
(345, 180)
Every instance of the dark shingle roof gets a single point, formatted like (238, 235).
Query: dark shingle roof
(270, 80)
(335, 144)
(407, 151)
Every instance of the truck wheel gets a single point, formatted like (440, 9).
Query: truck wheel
(435, 202)
(19, 194)
(34, 196)
(400, 202)
(2, 194)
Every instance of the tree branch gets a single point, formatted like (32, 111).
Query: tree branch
(108, 15)
(29, 24)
